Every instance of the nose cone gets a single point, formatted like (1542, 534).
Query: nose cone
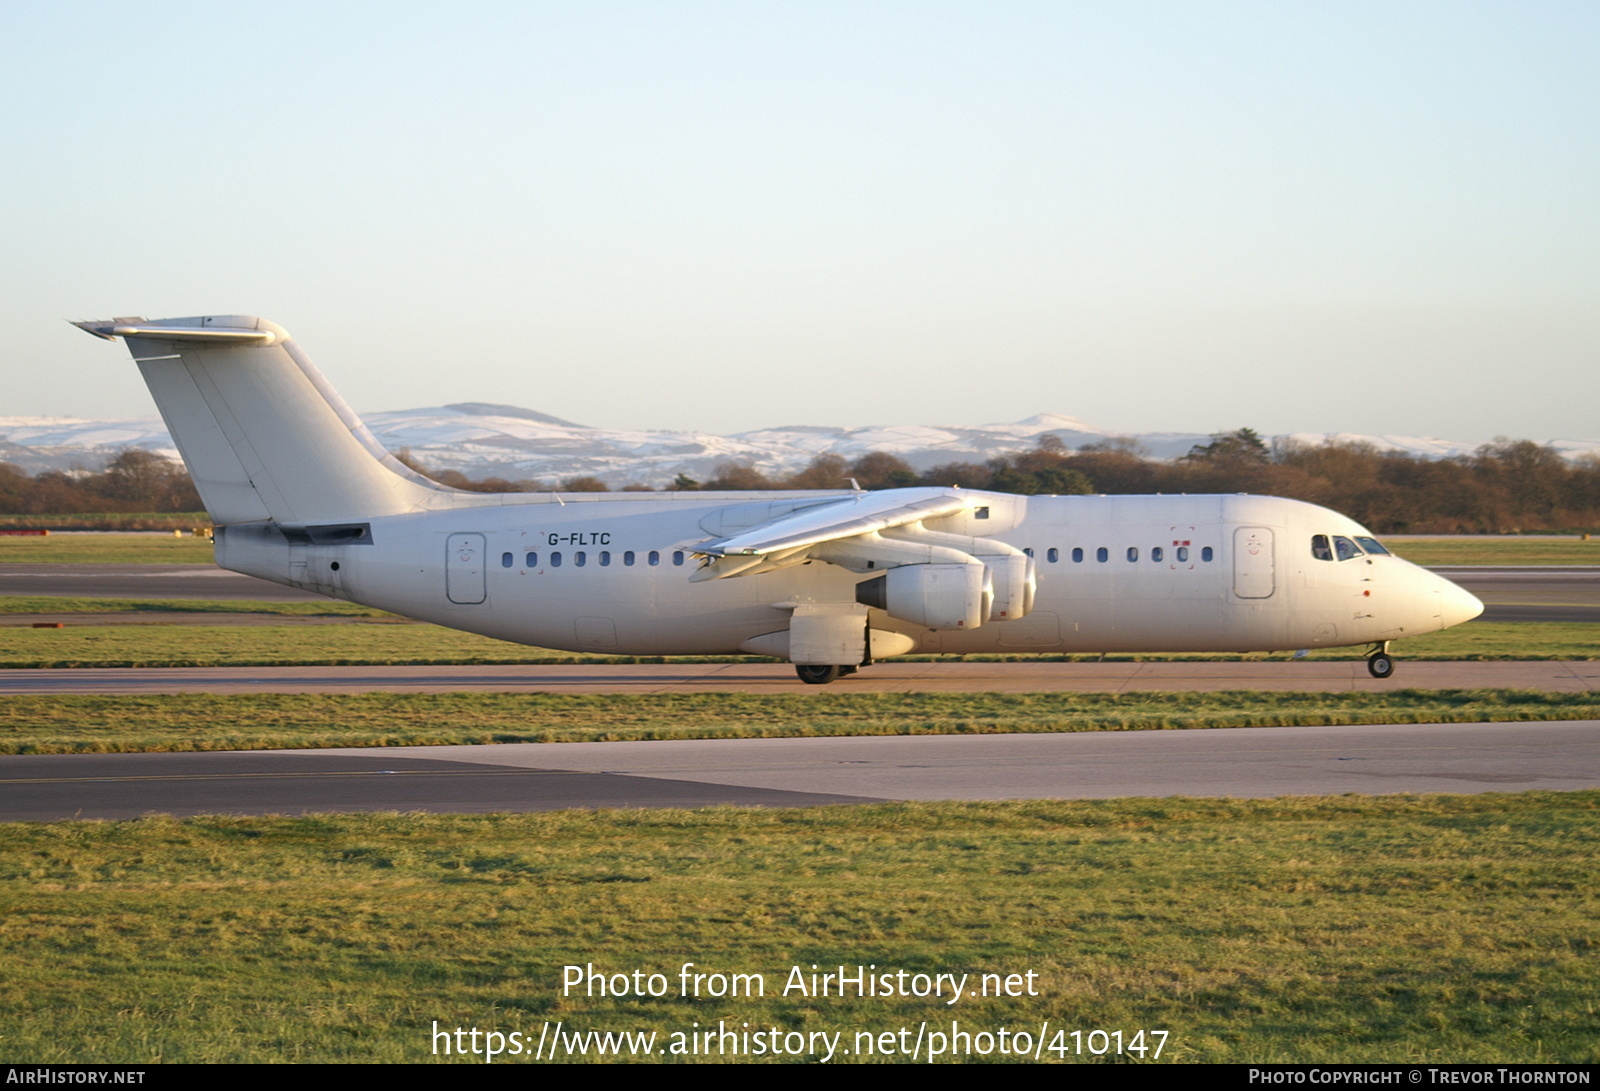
(1456, 604)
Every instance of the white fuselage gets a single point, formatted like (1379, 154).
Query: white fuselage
(611, 574)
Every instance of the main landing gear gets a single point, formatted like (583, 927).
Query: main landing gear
(1379, 663)
(815, 675)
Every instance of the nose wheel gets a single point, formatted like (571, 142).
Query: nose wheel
(1380, 664)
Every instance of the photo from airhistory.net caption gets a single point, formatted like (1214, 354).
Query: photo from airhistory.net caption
(731, 1038)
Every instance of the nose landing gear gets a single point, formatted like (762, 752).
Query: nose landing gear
(1379, 663)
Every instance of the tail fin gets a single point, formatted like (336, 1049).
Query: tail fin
(264, 435)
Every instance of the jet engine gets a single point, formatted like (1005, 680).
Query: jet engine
(935, 596)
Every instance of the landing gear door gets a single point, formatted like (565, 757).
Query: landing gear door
(463, 569)
(1252, 562)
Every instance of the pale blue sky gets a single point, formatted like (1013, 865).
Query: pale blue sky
(724, 216)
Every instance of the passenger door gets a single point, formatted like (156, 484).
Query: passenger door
(1252, 562)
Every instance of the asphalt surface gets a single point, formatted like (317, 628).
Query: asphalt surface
(50, 787)
(1532, 592)
(143, 581)
(1230, 762)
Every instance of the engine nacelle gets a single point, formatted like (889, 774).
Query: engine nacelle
(935, 596)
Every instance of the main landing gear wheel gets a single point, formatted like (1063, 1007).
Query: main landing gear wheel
(1380, 665)
(813, 675)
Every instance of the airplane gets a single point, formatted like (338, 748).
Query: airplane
(302, 494)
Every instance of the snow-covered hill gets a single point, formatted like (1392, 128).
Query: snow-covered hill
(480, 440)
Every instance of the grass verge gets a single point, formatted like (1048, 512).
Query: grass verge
(109, 521)
(1495, 551)
(108, 548)
(97, 724)
(51, 604)
(342, 645)
(1399, 929)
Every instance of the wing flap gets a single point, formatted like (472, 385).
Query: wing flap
(849, 517)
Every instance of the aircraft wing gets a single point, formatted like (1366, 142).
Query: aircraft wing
(862, 513)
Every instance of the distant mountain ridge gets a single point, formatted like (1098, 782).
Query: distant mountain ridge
(482, 439)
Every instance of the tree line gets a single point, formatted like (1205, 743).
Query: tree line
(1507, 486)
(1504, 487)
(135, 481)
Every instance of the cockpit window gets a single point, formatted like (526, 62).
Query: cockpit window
(1345, 549)
(1371, 545)
(1320, 549)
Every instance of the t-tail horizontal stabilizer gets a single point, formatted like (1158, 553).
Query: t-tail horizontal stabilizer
(264, 435)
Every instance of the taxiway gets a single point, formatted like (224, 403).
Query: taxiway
(1229, 762)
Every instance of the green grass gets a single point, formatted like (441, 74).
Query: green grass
(105, 549)
(51, 604)
(109, 521)
(1399, 929)
(282, 645)
(64, 724)
(1496, 551)
(255, 645)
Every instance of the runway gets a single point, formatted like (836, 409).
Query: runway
(1531, 592)
(895, 676)
(1230, 762)
(50, 787)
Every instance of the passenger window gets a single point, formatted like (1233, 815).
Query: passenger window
(655, 558)
(1077, 554)
(1182, 553)
(1320, 548)
(677, 557)
(1345, 549)
(1102, 554)
(580, 558)
(1206, 554)
(1133, 553)
(605, 557)
(1371, 546)
(980, 513)
(627, 558)
(1028, 552)
(531, 560)
(1053, 555)
(507, 560)
(555, 560)
(1156, 554)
